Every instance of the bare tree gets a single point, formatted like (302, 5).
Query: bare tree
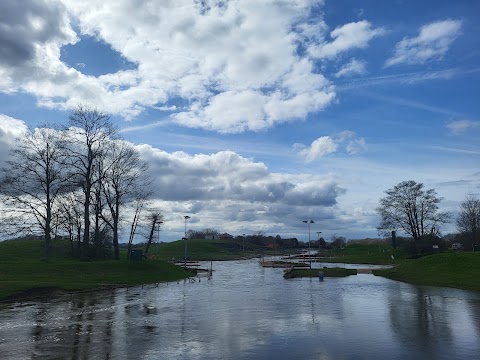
(412, 209)
(140, 199)
(88, 132)
(71, 219)
(32, 181)
(125, 169)
(201, 234)
(468, 221)
(338, 241)
(154, 218)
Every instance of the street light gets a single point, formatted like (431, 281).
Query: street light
(243, 242)
(318, 233)
(158, 233)
(185, 255)
(308, 222)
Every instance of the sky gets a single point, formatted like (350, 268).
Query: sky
(256, 115)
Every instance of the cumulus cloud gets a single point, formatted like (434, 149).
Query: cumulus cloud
(10, 130)
(432, 42)
(346, 141)
(320, 147)
(227, 176)
(460, 126)
(32, 33)
(353, 67)
(234, 65)
(350, 36)
(27, 26)
(225, 186)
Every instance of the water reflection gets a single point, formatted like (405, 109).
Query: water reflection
(249, 312)
(420, 319)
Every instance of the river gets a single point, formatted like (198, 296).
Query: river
(248, 312)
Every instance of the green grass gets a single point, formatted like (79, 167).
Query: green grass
(203, 250)
(22, 269)
(457, 270)
(366, 254)
(327, 272)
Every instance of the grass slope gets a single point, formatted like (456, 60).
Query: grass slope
(457, 270)
(22, 269)
(203, 250)
(367, 254)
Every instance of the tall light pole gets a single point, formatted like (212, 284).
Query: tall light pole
(185, 255)
(318, 233)
(308, 222)
(243, 242)
(158, 233)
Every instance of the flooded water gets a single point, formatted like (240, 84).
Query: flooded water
(249, 312)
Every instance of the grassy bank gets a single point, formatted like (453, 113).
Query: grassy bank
(21, 267)
(23, 271)
(366, 254)
(327, 272)
(457, 270)
(204, 250)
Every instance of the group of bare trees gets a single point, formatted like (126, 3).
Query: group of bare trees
(75, 180)
(413, 210)
(468, 221)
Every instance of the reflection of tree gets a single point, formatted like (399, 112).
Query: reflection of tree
(139, 327)
(417, 320)
(78, 329)
(475, 306)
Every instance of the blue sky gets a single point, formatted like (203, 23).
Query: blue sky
(254, 115)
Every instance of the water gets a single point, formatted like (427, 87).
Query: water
(249, 312)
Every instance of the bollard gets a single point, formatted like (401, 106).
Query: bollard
(320, 275)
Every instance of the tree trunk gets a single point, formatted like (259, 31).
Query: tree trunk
(150, 237)
(86, 230)
(115, 230)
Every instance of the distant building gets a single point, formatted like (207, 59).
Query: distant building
(457, 246)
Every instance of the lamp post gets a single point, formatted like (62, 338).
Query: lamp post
(185, 255)
(243, 242)
(318, 233)
(158, 236)
(308, 222)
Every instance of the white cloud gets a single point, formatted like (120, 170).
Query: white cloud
(460, 126)
(356, 146)
(353, 67)
(433, 42)
(324, 145)
(228, 176)
(350, 36)
(320, 147)
(226, 186)
(10, 130)
(234, 64)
